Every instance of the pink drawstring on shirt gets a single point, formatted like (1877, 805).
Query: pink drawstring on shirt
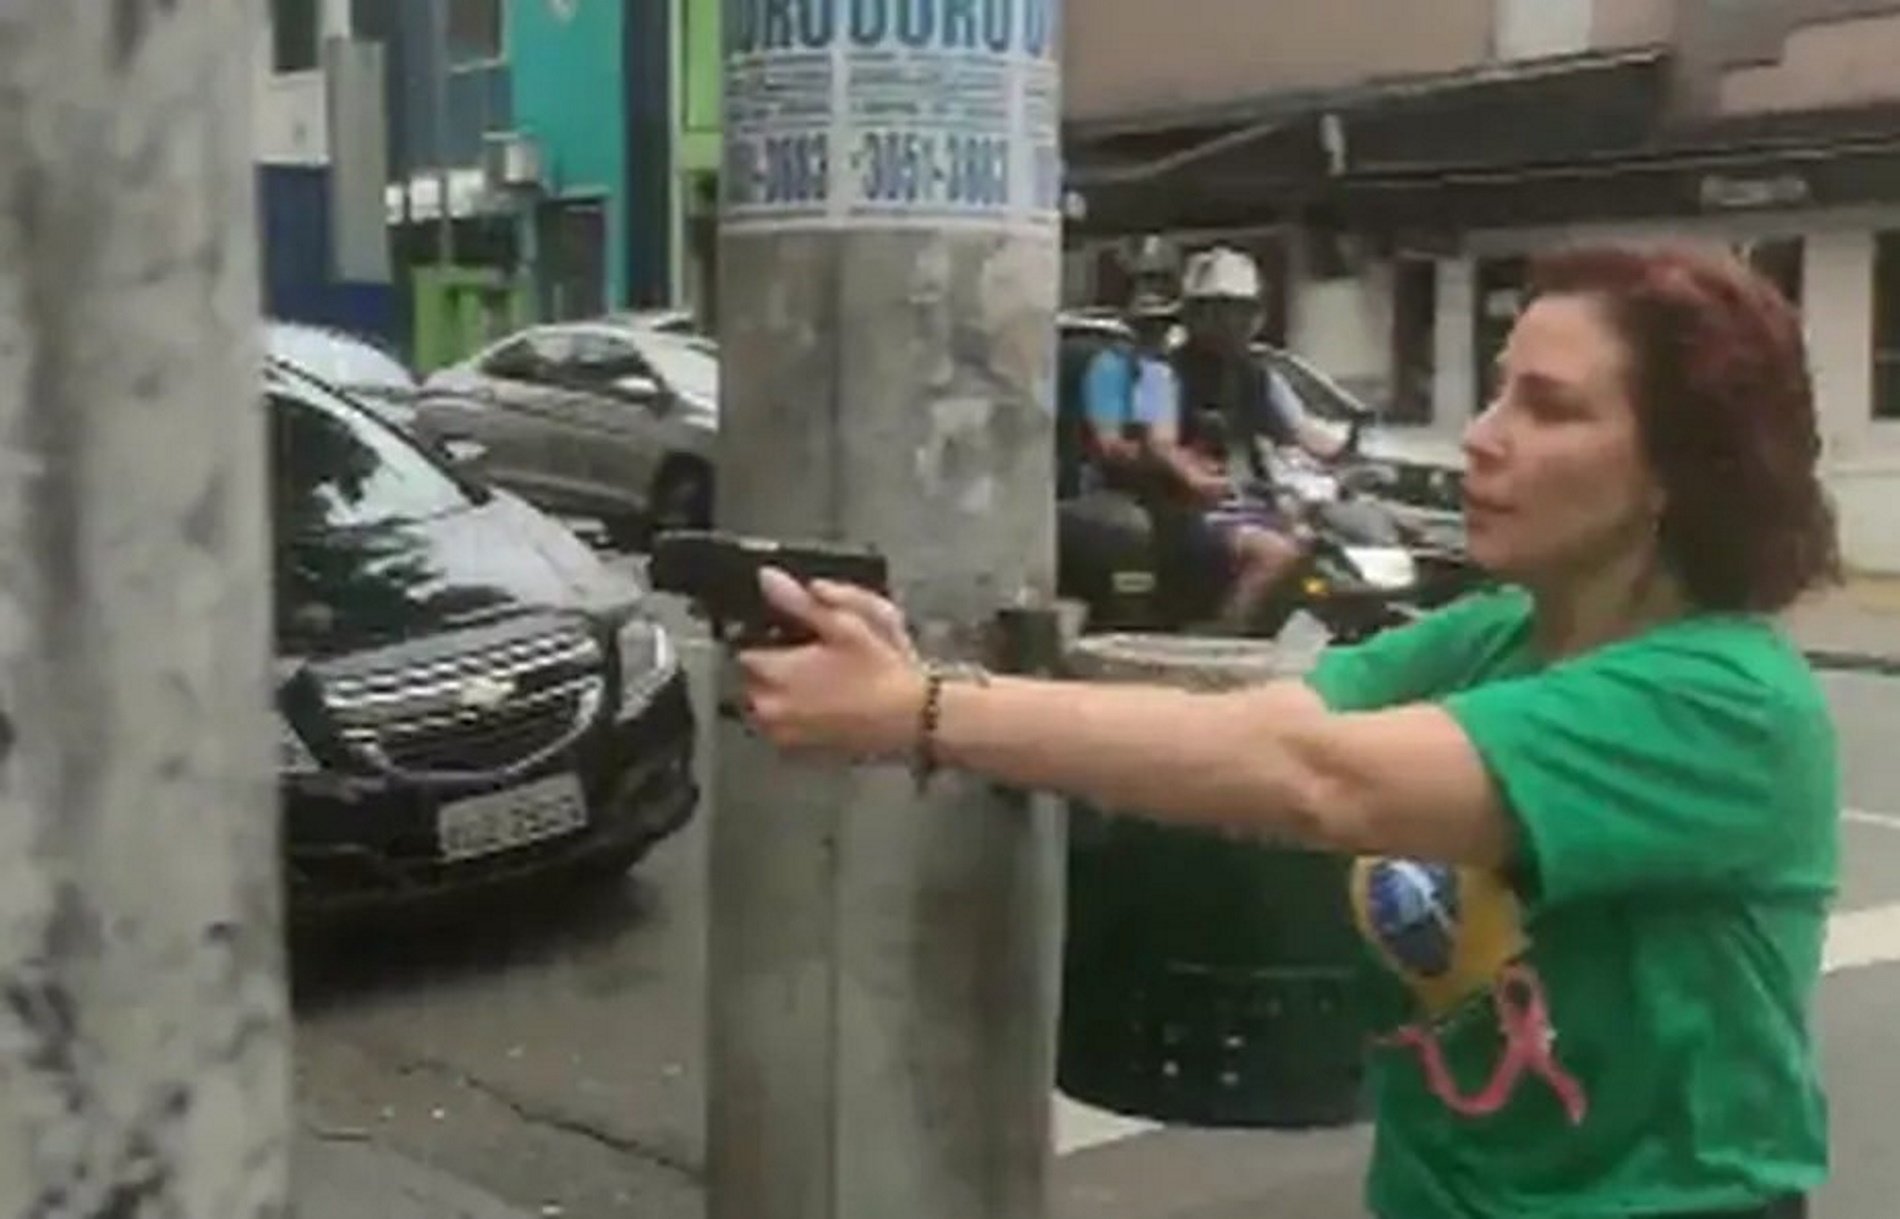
(1529, 1041)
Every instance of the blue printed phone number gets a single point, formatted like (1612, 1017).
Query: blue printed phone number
(892, 169)
(779, 171)
(914, 168)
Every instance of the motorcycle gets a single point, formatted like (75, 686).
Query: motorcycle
(1129, 562)
(1359, 575)
(1445, 569)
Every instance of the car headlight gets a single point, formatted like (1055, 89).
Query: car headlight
(647, 662)
(293, 756)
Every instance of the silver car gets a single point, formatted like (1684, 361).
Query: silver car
(605, 419)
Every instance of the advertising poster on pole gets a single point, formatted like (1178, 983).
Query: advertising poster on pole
(892, 114)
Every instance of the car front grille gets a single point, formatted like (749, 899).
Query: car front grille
(474, 713)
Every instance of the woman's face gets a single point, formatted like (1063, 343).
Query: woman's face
(1556, 483)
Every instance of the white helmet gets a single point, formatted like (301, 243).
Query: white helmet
(1222, 273)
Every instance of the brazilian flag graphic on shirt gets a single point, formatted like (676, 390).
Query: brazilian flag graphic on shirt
(1455, 937)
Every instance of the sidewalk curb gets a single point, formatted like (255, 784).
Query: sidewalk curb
(333, 1178)
(1853, 662)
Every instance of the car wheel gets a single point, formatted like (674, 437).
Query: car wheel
(682, 497)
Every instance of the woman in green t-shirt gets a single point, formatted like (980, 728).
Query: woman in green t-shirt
(1594, 812)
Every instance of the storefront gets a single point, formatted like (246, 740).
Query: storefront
(1840, 265)
(1818, 212)
(1409, 242)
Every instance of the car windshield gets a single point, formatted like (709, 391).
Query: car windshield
(1318, 396)
(336, 468)
(684, 365)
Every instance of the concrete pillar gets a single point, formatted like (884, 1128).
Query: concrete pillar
(144, 1036)
(1838, 294)
(1343, 326)
(884, 965)
(1455, 387)
(1862, 453)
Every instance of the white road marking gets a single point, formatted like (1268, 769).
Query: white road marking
(1077, 1126)
(1861, 816)
(1859, 938)
(1856, 939)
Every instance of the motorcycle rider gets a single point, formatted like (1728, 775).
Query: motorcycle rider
(1131, 401)
(1229, 403)
(1132, 406)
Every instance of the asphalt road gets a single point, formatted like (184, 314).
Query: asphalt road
(552, 1056)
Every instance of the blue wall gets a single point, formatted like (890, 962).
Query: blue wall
(568, 91)
(294, 229)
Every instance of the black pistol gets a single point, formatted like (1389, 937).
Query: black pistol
(719, 573)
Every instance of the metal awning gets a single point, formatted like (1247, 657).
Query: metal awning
(1280, 155)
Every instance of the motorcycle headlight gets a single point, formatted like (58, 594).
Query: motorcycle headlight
(1387, 568)
(647, 661)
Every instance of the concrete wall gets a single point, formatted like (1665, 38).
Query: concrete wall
(1344, 326)
(1454, 385)
(1833, 64)
(1134, 57)
(1620, 24)
(288, 126)
(1125, 57)
(1534, 29)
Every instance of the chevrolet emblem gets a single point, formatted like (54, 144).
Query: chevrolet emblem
(486, 693)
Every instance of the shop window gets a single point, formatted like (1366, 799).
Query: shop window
(1414, 339)
(1781, 261)
(1501, 284)
(574, 258)
(293, 35)
(474, 31)
(1886, 396)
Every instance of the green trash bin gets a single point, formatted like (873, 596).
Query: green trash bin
(1208, 980)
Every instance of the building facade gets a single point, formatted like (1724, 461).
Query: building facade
(319, 137)
(1393, 186)
(569, 84)
(447, 84)
(697, 154)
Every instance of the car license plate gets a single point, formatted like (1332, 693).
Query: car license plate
(499, 821)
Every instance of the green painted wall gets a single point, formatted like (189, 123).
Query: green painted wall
(460, 309)
(701, 86)
(569, 92)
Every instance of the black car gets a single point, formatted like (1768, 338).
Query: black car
(467, 695)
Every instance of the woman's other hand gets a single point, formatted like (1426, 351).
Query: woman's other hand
(856, 689)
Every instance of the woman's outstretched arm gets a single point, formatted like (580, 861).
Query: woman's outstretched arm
(1271, 760)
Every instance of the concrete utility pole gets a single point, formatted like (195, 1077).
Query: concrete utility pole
(143, 1030)
(884, 967)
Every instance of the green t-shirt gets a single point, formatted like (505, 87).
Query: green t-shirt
(1659, 938)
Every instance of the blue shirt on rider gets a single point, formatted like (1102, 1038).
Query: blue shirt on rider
(1123, 387)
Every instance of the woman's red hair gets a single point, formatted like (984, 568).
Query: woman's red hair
(1719, 377)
